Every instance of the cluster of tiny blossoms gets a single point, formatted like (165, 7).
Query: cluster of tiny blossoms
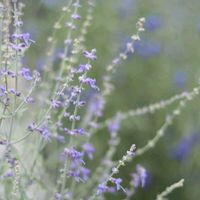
(50, 110)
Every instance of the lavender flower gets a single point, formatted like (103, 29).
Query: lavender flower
(45, 133)
(117, 182)
(102, 188)
(184, 147)
(140, 177)
(78, 131)
(32, 127)
(55, 103)
(25, 37)
(153, 22)
(8, 174)
(85, 173)
(89, 150)
(114, 125)
(74, 155)
(25, 72)
(83, 68)
(180, 78)
(147, 49)
(91, 82)
(58, 196)
(75, 175)
(96, 105)
(90, 55)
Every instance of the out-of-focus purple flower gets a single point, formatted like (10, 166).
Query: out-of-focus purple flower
(85, 173)
(89, 150)
(3, 88)
(75, 16)
(74, 155)
(90, 81)
(184, 147)
(68, 41)
(102, 188)
(77, 131)
(153, 22)
(24, 37)
(147, 49)
(139, 177)
(25, 72)
(32, 127)
(16, 93)
(58, 196)
(117, 182)
(18, 47)
(55, 103)
(29, 100)
(114, 124)
(83, 68)
(90, 55)
(60, 138)
(96, 105)
(8, 174)
(45, 133)
(180, 78)
(75, 175)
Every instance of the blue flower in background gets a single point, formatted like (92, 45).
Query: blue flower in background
(184, 147)
(153, 22)
(146, 49)
(180, 78)
(126, 8)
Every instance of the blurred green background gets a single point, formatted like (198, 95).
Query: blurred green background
(166, 62)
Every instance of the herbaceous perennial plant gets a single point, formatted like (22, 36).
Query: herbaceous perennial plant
(44, 109)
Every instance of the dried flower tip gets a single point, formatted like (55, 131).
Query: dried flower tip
(142, 19)
(115, 170)
(135, 37)
(57, 25)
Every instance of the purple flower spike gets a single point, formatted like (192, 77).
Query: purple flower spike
(97, 105)
(91, 82)
(44, 133)
(89, 150)
(142, 173)
(58, 196)
(114, 124)
(102, 188)
(26, 38)
(85, 173)
(117, 182)
(83, 68)
(140, 177)
(74, 155)
(55, 104)
(90, 55)
(75, 175)
(25, 72)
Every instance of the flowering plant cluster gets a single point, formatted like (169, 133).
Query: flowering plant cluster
(51, 110)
